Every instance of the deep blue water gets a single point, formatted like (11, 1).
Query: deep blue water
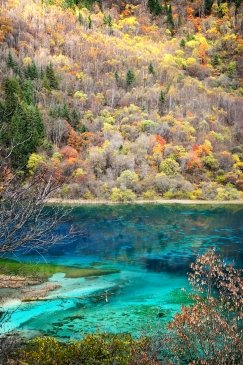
(151, 245)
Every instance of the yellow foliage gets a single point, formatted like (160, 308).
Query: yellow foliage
(129, 23)
(191, 61)
(108, 127)
(201, 39)
(61, 60)
(27, 61)
(34, 161)
(192, 44)
(195, 194)
(78, 172)
(179, 53)
(80, 75)
(81, 96)
(169, 59)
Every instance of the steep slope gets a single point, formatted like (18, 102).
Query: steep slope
(129, 99)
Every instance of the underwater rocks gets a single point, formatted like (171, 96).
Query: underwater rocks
(170, 262)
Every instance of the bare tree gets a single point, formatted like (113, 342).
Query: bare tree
(26, 223)
(24, 220)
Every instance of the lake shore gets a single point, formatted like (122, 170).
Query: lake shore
(79, 202)
(30, 282)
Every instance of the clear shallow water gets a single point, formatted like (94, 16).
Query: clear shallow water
(151, 245)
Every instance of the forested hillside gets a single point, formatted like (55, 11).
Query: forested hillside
(124, 99)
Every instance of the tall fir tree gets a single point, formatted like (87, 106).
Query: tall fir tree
(90, 22)
(50, 80)
(26, 133)
(12, 93)
(161, 102)
(21, 121)
(151, 69)
(208, 6)
(154, 7)
(31, 71)
(130, 78)
(170, 20)
(11, 62)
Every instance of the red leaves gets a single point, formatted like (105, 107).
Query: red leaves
(160, 140)
(194, 162)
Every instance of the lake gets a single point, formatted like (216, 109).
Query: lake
(152, 246)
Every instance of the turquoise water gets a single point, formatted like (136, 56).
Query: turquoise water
(151, 245)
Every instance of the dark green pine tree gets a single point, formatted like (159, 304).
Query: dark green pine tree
(21, 120)
(50, 79)
(90, 22)
(10, 62)
(26, 131)
(107, 20)
(161, 102)
(82, 128)
(31, 71)
(151, 69)
(154, 7)
(74, 118)
(237, 6)
(117, 78)
(12, 93)
(216, 60)
(130, 78)
(80, 18)
(182, 43)
(69, 3)
(208, 6)
(170, 20)
(65, 113)
(28, 92)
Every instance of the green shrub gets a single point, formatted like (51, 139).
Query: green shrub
(118, 195)
(169, 167)
(94, 349)
(210, 162)
(228, 193)
(150, 195)
(128, 179)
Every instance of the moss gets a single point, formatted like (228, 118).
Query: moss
(44, 271)
(179, 296)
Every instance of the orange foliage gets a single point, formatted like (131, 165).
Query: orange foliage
(195, 20)
(159, 145)
(194, 161)
(74, 140)
(202, 53)
(89, 138)
(5, 28)
(160, 140)
(201, 150)
(69, 152)
(158, 148)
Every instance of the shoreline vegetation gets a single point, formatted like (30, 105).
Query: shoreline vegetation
(79, 202)
(44, 271)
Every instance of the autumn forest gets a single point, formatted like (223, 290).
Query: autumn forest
(125, 99)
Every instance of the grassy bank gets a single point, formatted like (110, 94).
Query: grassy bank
(44, 271)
